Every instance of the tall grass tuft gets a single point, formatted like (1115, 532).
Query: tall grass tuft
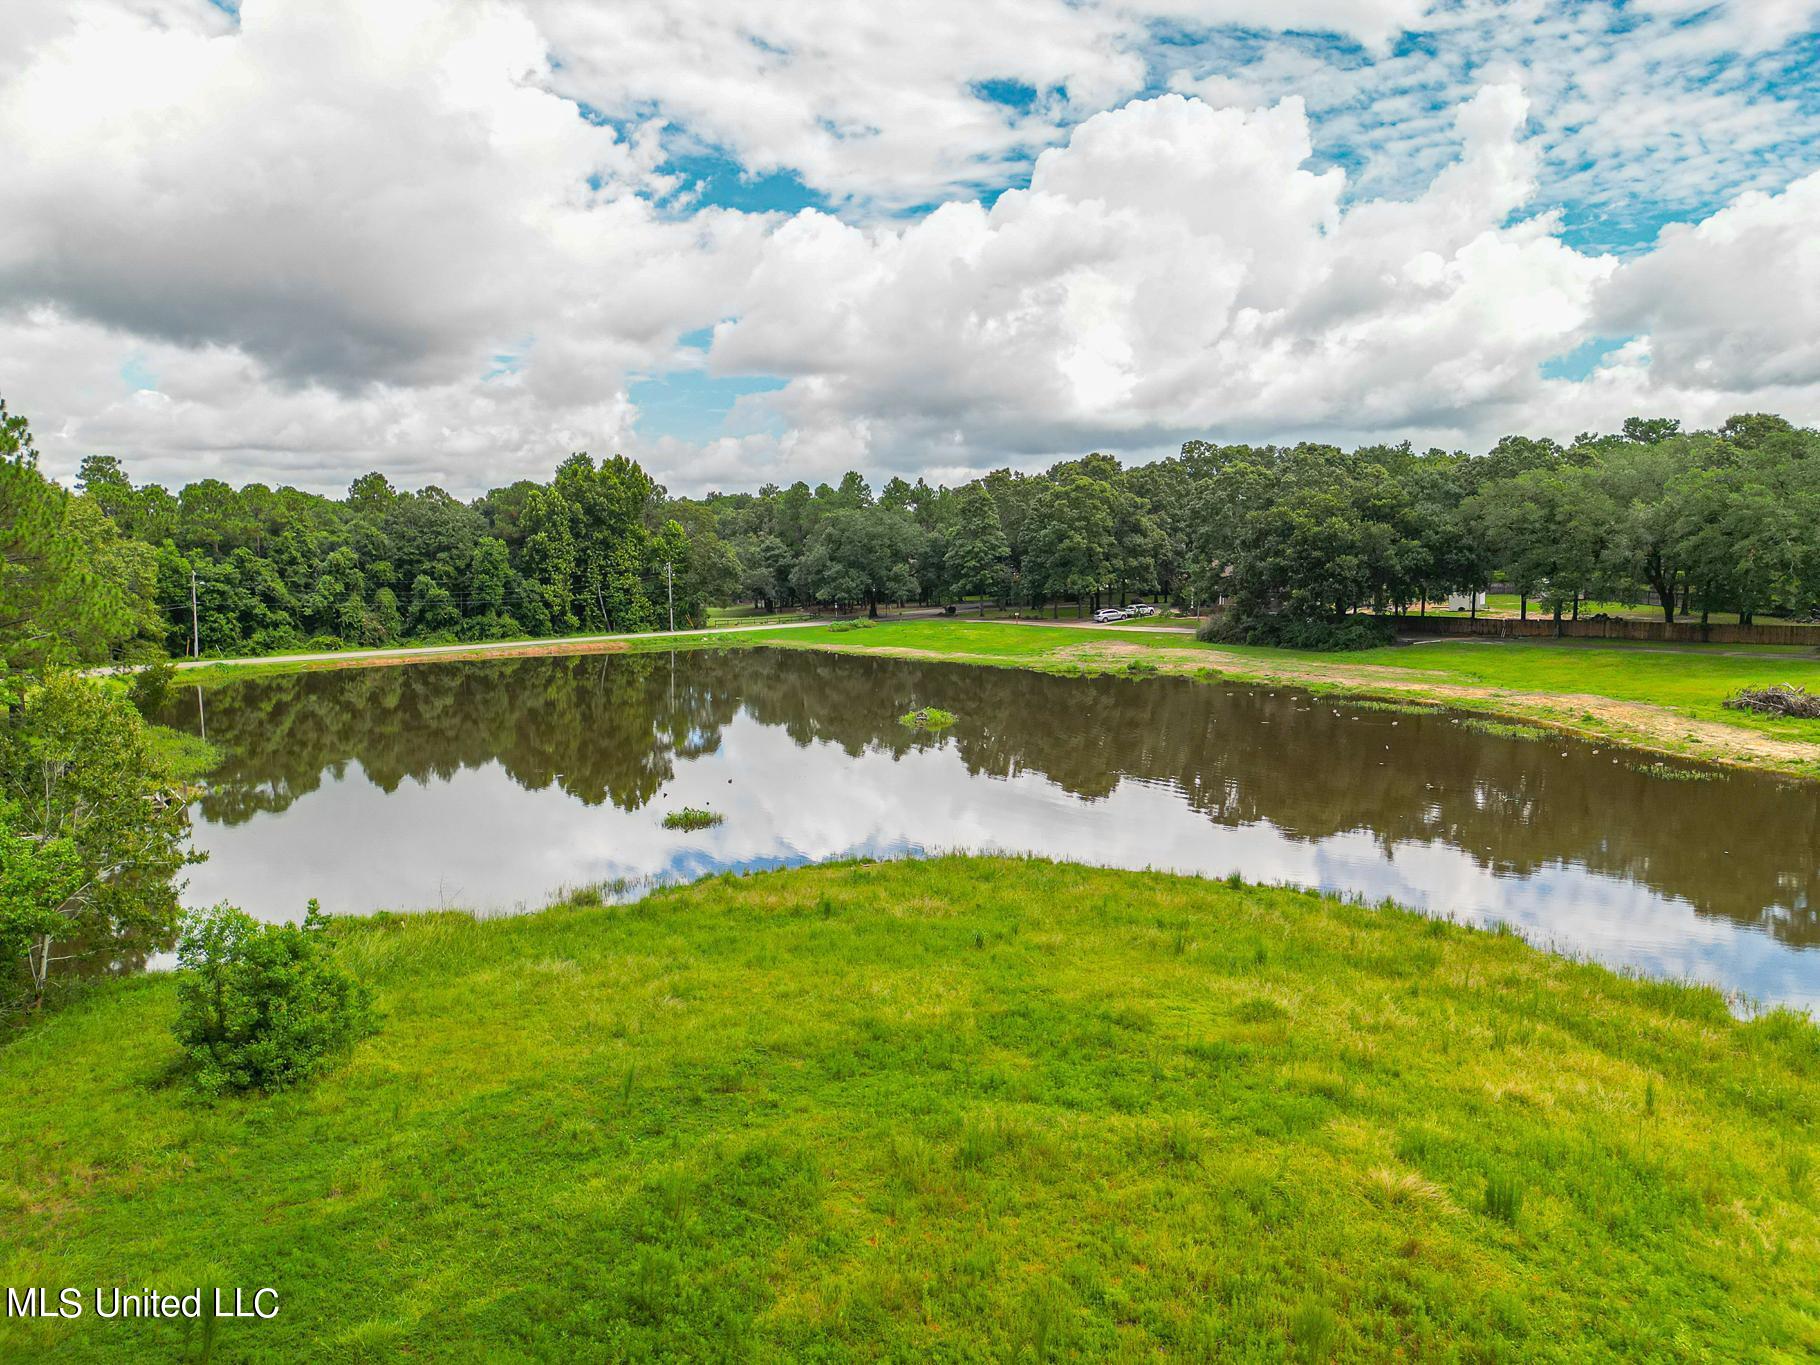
(1313, 1329)
(1503, 1197)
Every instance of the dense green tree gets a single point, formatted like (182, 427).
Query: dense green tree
(1068, 536)
(79, 779)
(976, 557)
(860, 555)
(57, 604)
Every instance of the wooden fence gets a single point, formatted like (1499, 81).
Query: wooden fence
(1544, 628)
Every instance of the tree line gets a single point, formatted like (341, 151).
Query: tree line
(1292, 540)
(1288, 537)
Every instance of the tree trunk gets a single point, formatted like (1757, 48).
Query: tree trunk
(1557, 618)
(1523, 607)
(41, 970)
(1576, 605)
(872, 608)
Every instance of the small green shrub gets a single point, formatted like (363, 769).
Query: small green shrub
(1140, 668)
(262, 1006)
(690, 818)
(1298, 632)
(927, 718)
(151, 689)
(189, 758)
(857, 623)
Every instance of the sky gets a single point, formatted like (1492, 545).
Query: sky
(750, 241)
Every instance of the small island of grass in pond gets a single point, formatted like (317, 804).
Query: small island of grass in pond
(927, 718)
(689, 818)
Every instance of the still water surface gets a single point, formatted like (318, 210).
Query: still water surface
(494, 785)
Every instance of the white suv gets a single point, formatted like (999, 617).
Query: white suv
(1140, 609)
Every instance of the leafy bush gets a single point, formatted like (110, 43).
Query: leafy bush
(857, 623)
(151, 689)
(1298, 632)
(262, 1006)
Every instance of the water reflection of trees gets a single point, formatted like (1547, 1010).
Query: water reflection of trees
(610, 728)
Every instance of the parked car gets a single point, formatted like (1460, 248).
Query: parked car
(1140, 609)
(1106, 615)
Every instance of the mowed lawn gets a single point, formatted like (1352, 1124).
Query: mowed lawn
(1693, 679)
(967, 1109)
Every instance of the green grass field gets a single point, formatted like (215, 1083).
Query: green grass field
(1509, 604)
(1693, 680)
(961, 1109)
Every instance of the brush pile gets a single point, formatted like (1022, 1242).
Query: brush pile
(1783, 699)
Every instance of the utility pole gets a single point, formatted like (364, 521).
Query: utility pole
(195, 625)
(670, 590)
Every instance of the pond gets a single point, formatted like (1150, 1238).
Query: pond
(498, 785)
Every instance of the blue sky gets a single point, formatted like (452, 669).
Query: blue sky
(298, 239)
(1613, 169)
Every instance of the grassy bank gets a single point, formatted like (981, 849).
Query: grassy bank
(960, 1109)
(1664, 700)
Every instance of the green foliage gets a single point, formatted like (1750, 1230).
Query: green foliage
(262, 1006)
(83, 781)
(1297, 632)
(39, 875)
(691, 818)
(859, 555)
(65, 596)
(152, 687)
(186, 758)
